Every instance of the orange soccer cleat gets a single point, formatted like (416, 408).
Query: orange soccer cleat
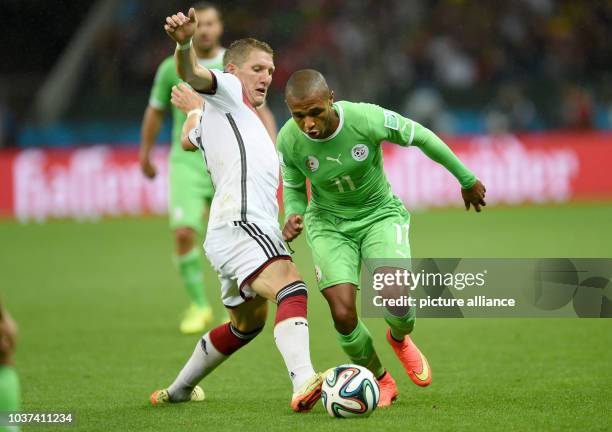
(388, 390)
(415, 363)
(308, 395)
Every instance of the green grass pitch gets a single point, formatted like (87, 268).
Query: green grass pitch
(99, 304)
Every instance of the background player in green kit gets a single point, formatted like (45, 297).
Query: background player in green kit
(191, 189)
(353, 214)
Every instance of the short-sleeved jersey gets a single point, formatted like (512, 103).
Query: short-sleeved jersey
(165, 78)
(240, 155)
(346, 169)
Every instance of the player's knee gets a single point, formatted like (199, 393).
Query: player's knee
(253, 320)
(290, 273)
(345, 318)
(258, 319)
(251, 326)
(184, 239)
(275, 277)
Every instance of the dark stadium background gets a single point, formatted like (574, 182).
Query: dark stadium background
(521, 90)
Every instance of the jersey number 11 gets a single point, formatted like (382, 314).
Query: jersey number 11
(347, 179)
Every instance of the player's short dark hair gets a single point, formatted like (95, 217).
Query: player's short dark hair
(204, 5)
(239, 50)
(306, 82)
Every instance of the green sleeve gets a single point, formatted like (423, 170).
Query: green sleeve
(162, 85)
(295, 199)
(389, 126)
(438, 151)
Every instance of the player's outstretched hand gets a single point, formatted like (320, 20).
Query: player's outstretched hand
(185, 99)
(180, 27)
(147, 167)
(474, 196)
(293, 227)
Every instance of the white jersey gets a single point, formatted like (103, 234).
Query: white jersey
(239, 154)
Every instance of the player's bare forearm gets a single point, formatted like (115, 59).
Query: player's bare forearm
(267, 118)
(151, 125)
(190, 71)
(191, 123)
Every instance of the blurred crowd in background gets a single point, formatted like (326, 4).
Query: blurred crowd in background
(458, 66)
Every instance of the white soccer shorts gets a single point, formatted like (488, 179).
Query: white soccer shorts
(239, 251)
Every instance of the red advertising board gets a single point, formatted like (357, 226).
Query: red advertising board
(516, 169)
(87, 183)
(83, 183)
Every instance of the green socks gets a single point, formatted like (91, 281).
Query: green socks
(358, 345)
(10, 399)
(190, 268)
(401, 326)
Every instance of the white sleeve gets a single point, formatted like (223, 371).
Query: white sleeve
(226, 93)
(195, 136)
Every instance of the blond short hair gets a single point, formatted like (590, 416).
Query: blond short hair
(240, 49)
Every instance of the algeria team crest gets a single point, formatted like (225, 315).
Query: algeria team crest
(360, 152)
(312, 163)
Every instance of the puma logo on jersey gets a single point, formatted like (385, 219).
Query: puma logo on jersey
(329, 158)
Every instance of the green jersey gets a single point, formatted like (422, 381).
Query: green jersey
(346, 169)
(165, 78)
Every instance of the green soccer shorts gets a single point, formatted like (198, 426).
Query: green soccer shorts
(191, 192)
(339, 245)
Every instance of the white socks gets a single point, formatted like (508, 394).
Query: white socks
(292, 339)
(204, 360)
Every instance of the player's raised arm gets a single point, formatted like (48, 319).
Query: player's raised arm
(190, 103)
(181, 29)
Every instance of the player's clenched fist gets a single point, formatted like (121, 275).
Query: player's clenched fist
(474, 196)
(180, 27)
(293, 227)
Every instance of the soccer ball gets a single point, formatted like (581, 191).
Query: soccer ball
(350, 391)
